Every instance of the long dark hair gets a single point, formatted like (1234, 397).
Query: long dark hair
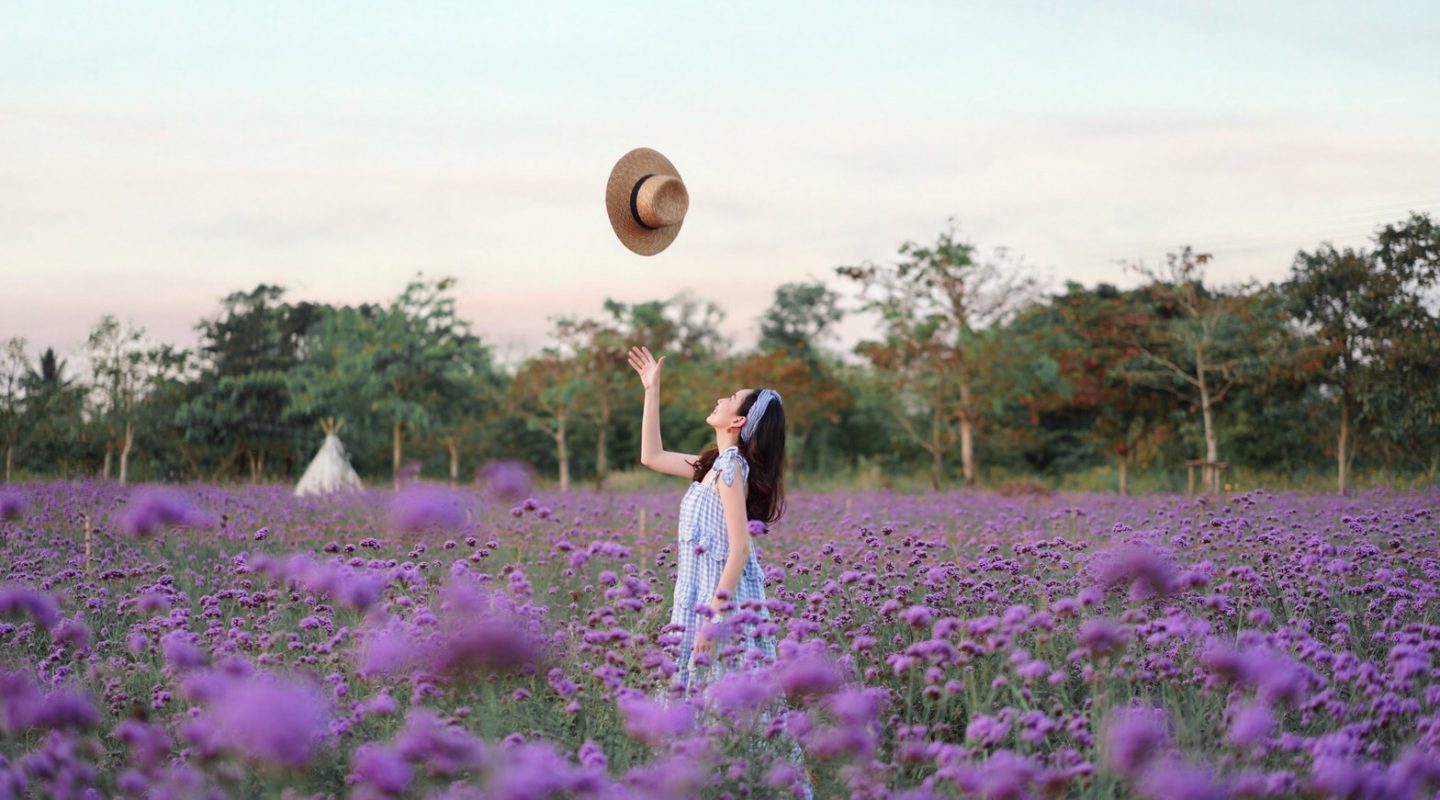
(764, 451)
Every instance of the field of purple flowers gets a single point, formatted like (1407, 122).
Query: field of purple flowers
(205, 642)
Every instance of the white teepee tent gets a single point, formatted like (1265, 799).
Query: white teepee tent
(330, 470)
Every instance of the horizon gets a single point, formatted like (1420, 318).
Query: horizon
(164, 155)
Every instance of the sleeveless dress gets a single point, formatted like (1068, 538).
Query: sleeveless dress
(703, 547)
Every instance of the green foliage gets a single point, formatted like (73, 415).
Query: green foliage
(1059, 388)
(396, 370)
(941, 311)
(1376, 338)
(800, 317)
(238, 409)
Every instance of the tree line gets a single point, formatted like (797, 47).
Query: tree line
(972, 369)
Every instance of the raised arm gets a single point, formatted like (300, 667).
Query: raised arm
(652, 452)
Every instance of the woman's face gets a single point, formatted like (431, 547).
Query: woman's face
(726, 414)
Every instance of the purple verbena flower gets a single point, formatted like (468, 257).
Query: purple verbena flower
(383, 768)
(149, 510)
(1142, 569)
(505, 480)
(38, 606)
(1135, 736)
(1252, 725)
(740, 692)
(807, 675)
(652, 723)
(1179, 780)
(1101, 637)
(12, 505)
(418, 507)
(273, 720)
(986, 730)
(443, 749)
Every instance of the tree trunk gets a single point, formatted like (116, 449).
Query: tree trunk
(125, 452)
(396, 453)
(935, 448)
(9, 461)
(105, 470)
(601, 468)
(454, 448)
(1212, 447)
(1342, 447)
(1125, 473)
(795, 455)
(967, 436)
(190, 461)
(602, 461)
(563, 455)
(224, 469)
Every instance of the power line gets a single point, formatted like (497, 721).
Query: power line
(1244, 243)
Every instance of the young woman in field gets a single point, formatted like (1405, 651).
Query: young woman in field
(719, 578)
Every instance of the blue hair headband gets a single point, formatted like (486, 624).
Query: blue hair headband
(757, 410)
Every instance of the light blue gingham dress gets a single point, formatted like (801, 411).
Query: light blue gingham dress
(703, 548)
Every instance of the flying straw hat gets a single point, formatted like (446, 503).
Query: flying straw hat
(646, 201)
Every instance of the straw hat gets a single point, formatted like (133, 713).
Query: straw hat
(646, 201)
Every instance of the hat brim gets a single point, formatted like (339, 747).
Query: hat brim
(630, 168)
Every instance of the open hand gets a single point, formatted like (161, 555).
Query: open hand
(702, 653)
(646, 366)
(703, 645)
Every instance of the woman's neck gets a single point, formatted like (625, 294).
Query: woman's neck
(724, 440)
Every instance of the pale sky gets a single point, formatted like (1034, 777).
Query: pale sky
(157, 156)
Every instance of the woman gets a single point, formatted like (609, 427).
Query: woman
(719, 571)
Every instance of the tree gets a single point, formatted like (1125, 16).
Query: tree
(548, 393)
(683, 323)
(117, 358)
(697, 327)
(1204, 343)
(169, 380)
(1345, 301)
(936, 305)
(790, 359)
(812, 395)
(461, 407)
(392, 365)
(244, 414)
(53, 417)
(599, 348)
(14, 367)
(799, 318)
(240, 401)
(1402, 407)
(647, 322)
(1095, 331)
(1370, 311)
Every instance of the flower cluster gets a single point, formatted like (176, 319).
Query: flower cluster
(436, 643)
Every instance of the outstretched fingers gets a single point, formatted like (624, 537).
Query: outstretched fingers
(641, 358)
(637, 359)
